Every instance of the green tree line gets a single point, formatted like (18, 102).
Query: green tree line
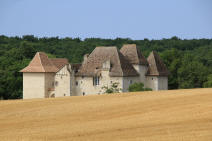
(189, 61)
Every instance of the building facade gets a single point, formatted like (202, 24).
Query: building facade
(47, 77)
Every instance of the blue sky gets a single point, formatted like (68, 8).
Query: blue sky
(135, 19)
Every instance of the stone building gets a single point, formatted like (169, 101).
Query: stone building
(47, 77)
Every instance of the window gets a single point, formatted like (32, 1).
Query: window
(152, 78)
(83, 93)
(96, 80)
(56, 83)
(131, 81)
(76, 83)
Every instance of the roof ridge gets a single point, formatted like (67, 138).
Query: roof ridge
(153, 53)
(129, 44)
(106, 47)
(119, 61)
(41, 62)
(156, 66)
(137, 54)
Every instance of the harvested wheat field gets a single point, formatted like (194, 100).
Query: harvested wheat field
(175, 115)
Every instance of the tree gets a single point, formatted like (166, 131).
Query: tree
(189, 61)
(192, 73)
(208, 83)
(138, 87)
(173, 60)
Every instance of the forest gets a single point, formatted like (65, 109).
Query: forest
(189, 61)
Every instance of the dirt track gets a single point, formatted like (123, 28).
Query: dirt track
(177, 115)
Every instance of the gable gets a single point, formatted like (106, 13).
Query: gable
(64, 70)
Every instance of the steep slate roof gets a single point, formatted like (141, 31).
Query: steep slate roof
(41, 63)
(156, 66)
(133, 54)
(119, 65)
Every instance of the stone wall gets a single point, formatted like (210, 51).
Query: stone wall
(157, 82)
(84, 85)
(33, 85)
(62, 82)
(141, 69)
(49, 83)
(127, 81)
(152, 82)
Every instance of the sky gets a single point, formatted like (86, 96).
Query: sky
(135, 19)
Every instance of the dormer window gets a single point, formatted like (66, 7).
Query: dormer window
(106, 65)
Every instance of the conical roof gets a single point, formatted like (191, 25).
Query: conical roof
(133, 54)
(156, 66)
(40, 63)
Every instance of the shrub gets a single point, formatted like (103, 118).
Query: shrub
(112, 89)
(138, 87)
